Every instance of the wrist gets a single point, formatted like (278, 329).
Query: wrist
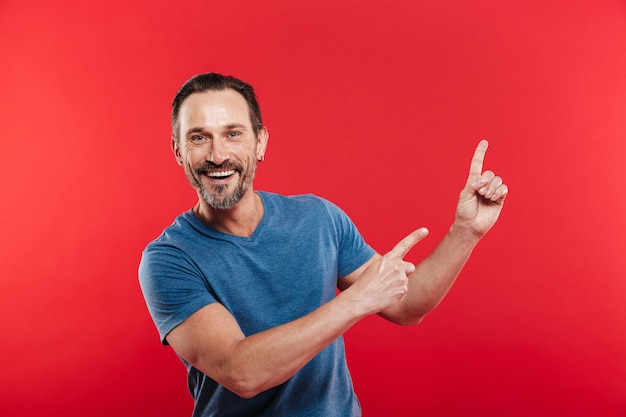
(354, 308)
(464, 234)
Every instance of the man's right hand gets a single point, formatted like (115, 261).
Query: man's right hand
(384, 282)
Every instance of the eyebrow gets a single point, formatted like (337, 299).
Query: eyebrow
(225, 127)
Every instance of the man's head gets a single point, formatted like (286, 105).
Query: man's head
(211, 81)
(218, 137)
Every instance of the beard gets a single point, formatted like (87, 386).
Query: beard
(219, 197)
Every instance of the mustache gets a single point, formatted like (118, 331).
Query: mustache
(211, 166)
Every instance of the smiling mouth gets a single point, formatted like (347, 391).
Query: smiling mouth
(220, 174)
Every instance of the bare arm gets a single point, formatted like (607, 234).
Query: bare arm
(479, 207)
(212, 341)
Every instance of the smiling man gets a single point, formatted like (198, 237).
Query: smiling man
(217, 142)
(243, 286)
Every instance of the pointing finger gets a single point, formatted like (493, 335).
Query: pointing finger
(405, 245)
(476, 167)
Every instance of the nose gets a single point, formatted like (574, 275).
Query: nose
(217, 152)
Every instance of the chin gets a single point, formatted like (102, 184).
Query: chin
(222, 202)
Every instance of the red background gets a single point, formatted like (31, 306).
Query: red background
(376, 105)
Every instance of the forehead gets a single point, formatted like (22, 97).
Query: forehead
(214, 109)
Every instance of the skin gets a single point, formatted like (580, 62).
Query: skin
(212, 341)
(215, 130)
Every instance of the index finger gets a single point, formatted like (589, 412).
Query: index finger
(476, 167)
(405, 245)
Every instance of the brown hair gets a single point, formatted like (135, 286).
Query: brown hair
(213, 81)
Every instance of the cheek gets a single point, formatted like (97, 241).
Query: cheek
(193, 157)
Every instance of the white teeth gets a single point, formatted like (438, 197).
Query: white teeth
(221, 174)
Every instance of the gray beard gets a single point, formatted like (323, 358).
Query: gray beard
(220, 200)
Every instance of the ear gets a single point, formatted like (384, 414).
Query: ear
(262, 140)
(176, 150)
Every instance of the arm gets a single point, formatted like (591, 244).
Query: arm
(212, 341)
(479, 206)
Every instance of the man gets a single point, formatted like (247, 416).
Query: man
(243, 285)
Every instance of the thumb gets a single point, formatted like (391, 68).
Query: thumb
(405, 245)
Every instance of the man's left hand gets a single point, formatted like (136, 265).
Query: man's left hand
(482, 198)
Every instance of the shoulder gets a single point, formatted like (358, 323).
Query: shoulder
(313, 213)
(304, 202)
(182, 229)
(310, 208)
(170, 250)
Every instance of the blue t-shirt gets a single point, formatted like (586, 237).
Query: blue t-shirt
(285, 270)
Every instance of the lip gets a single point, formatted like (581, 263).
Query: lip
(222, 173)
(220, 176)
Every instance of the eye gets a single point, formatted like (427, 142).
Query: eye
(197, 138)
(233, 134)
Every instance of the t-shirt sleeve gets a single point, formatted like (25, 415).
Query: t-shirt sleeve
(353, 250)
(172, 286)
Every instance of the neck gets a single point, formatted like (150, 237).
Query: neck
(240, 220)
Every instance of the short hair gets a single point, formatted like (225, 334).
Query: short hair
(212, 81)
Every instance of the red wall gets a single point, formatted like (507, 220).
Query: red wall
(376, 105)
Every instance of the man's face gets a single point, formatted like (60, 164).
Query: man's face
(217, 146)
